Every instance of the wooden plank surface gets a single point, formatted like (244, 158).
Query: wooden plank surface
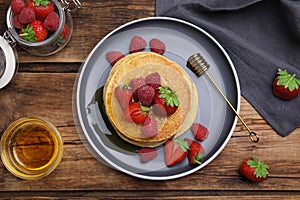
(43, 87)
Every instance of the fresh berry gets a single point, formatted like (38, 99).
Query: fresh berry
(34, 32)
(137, 44)
(145, 95)
(17, 6)
(41, 8)
(150, 127)
(51, 22)
(285, 85)
(146, 154)
(254, 170)
(137, 82)
(165, 102)
(153, 80)
(114, 56)
(17, 23)
(136, 113)
(65, 32)
(175, 151)
(157, 46)
(27, 15)
(196, 152)
(123, 95)
(200, 132)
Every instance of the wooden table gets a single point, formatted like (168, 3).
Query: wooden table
(43, 87)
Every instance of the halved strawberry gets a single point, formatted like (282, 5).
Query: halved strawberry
(135, 113)
(196, 152)
(165, 102)
(175, 151)
(123, 95)
(285, 85)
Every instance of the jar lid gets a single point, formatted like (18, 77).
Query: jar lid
(8, 63)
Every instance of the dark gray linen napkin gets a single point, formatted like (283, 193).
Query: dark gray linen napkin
(260, 36)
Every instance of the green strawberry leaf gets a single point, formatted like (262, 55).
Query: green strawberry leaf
(169, 95)
(41, 2)
(145, 108)
(28, 34)
(287, 80)
(199, 158)
(184, 146)
(261, 169)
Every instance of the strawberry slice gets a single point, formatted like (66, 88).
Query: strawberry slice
(285, 85)
(196, 152)
(146, 154)
(136, 113)
(123, 95)
(175, 151)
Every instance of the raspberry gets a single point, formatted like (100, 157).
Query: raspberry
(113, 57)
(137, 44)
(157, 46)
(147, 154)
(137, 82)
(51, 23)
(27, 15)
(150, 127)
(17, 6)
(17, 23)
(145, 94)
(153, 80)
(200, 132)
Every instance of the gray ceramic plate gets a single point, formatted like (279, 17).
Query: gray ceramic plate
(182, 40)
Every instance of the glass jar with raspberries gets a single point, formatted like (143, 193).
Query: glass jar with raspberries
(41, 27)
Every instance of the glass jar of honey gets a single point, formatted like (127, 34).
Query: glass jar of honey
(31, 148)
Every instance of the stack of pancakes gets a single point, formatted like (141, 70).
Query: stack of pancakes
(172, 75)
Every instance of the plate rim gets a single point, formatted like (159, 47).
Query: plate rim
(107, 160)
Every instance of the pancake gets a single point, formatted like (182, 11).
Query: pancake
(172, 75)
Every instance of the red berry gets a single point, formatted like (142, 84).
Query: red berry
(146, 154)
(17, 23)
(17, 6)
(150, 127)
(196, 152)
(157, 46)
(41, 8)
(137, 82)
(113, 57)
(145, 95)
(65, 32)
(165, 102)
(135, 113)
(175, 151)
(124, 96)
(200, 132)
(34, 32)
(51, 22)
(284, 93)
(254, 170)
(27, 15)
(137, 44)
(153, 78)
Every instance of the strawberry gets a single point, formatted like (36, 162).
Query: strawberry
(137, 44)
(34, 32)
(146, 154)
(285, 85)
(65, 32)
(150, 127)
(175, 151)
(41, 8)
(165, 102)
(196, 152)
(114, 56)
(123, 95)
(17, 6)
(135, 113)
(254, 170)
(157, 46)
(199, 131)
